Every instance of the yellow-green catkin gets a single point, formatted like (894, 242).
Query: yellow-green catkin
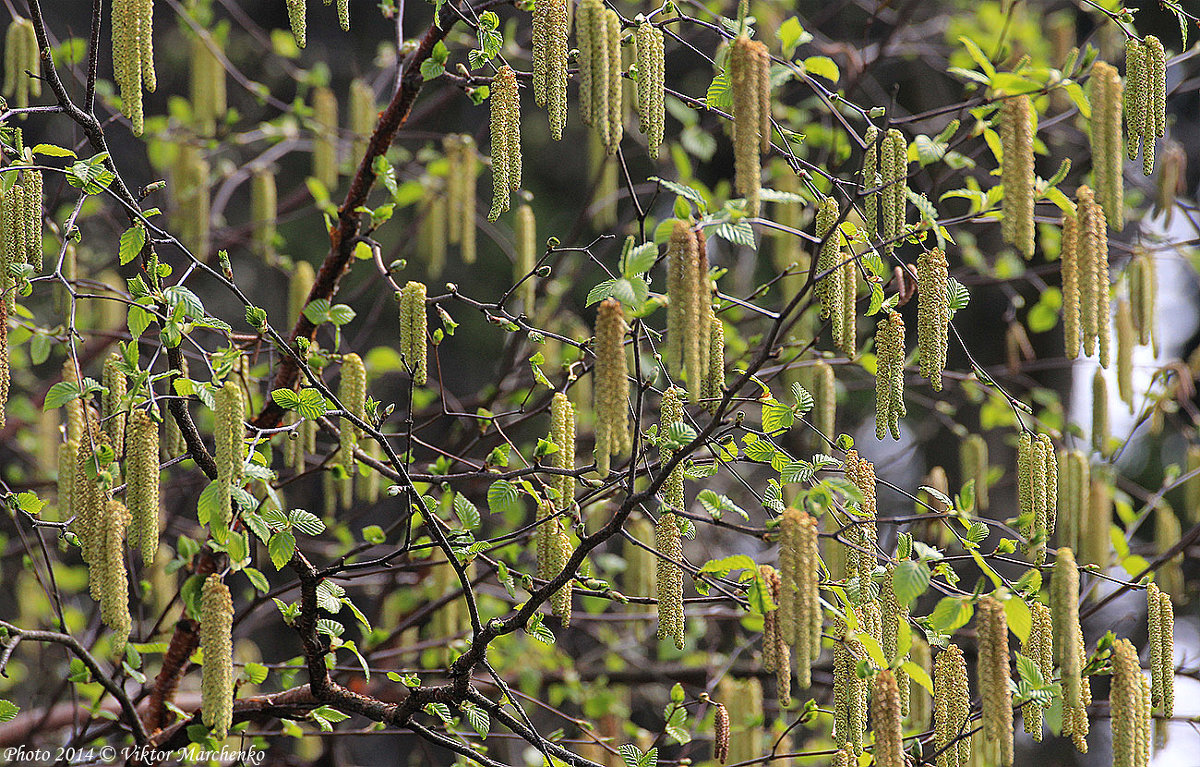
(21, 55)
(1161, 625)
(133, 55)
(1167, 532)
(640, 577)
(1074, 498)
(560, 553)
(297, 10)
(1017, 119)
(828, 260)
(952, 707)
(216, 641)
(651, 96)
(893, 176)
(299, 286)
(1071, 284)
(713, 387)
(667, 540)
(352, 392)
(799, 603)
(90, 500)
(1105, 133)
(525, 233)
(20, 230)
(460, 193)
(745, 698)
(776, 655)
(993, 674)
(413, 326)
(600, 92)
(603, 173)
(1192, 486)
(1142, 276)
(230, 451)
(209, 102)
(612, 385)
(886, 721)
(720, 733)
(1039, 648)
(1145, 98)
(844, 757)
(920, 703)
(688, 297)
(894, 619)
(324, 137)
(1100, 413)
(861, 538)
(889, 375)
(142, 482)
(112, 410)
(614, 126)
(551, 23)
(108, 570)
(191, 200)
(1069, 651)
(1172, 181)
(973, 465)
(506, 139)
(5, 373)
(364, 113)
(750, 82)
(1128, 706)
(933, 314)
(849, 691)
(562, 433)
(824, 393)
(263, 211)
(1126, 340)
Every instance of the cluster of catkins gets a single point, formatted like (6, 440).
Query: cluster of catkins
(1017, 118)
(613, 436)
(506, 139)
(1085, 279)
(460, 193)
(598, 29)
(838, 286)
(667, 539)
(551, 22)
(413, 327)
(651, 74)
(1145, 98)
(933, 314)
(1108, 156)
(133, 55)
(209, 102)
(553, 550)
(21, 55)
(799, 601)
(889, 375)
(885, 168)
(297, 17)
(20, 230)
(750, 82)
(1037, 489)
(695, 337)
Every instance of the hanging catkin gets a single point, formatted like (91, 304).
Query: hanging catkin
(1038, 647)
(612, 385)
(994, 676)
(560, 552)
(562, 433)
(799, 604)
(825, 398)
(951, 708)
(861, 538)
(640, 577)
(1126, 340)
(849, 691)
(1143, 294)
(363, 116)
(506, 139)
(216, 685)
(889, 375)
(5, 373)
(413, 326)
(720, 733)
(108, 569)
(142, 482)
(933, 314)
(651, 96)
(973, 465)
(550, 29)
(21, 55)
(885, 720)
(1071, 275)
(263, 212)
(1069, 652)
(1073, 498)
(525, 234)
(1145, 98)
(1167, 532)
(1092, 270)
(325, 138)
(688, 307)
(191, 200)
(352, 392)
(1100, 413)
(207, 81)
(919, 700)
(296, 10)
(1105, 134)
(713, 387)
(1129, 707)
(112, 411)
(750, 82)
(229, 434)
(133, 55)
(1161, 623)
(1037, 475)
(828, 260)
(1016, 172)
(1172, 181)
(894, 617)
(460, 193)
(599, 37)
(667, 539)
(776, 655)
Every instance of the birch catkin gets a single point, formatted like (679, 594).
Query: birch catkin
(207, 81)
(650, 91)
(750, 81)
(1126, 340)
(952, 707)
(460, 193)
(612, 385)
(993, 674)
(1069, 651)
(263, 211)
(506, 139)
(525, 233)
(828, 259)
(667, 539)
(1161, 624)
(1145, 98)
(352, 392)
(776, 654)
(216, 686)
(562, 433)
(1105, 134)
(1016, 172)
(325, 135)
(21, 55)
(550, 30)
(1128, 706)
(363, 116)
(825, 398)
(1038, 647)
(133, 55)
(973, 463)
(229, 434)
(112, 411)
(1143, 294)
(599, 36)
(1071, 288)
(933, 314)
(688, 295)
(413, 326)
(886, 721)
(142, 483)
(1092, 266)
(713, 387)
(799, 604)
(191, 200)
(889, 375)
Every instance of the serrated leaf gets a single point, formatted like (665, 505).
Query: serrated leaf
(640, 259)
(306, 522)
(467, 513)
(133, 240)
(776, 417)
(951, 614)
(50, 150)
(281, 547)
(716, 504)
(684, 191)
(740, 233)
(600, 292)
(910, 579)
(503, 497)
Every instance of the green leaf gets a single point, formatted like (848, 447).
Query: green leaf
(951, 614)
(719, 95)
(310, 403)
(716, 504)
(306, 522)
(373, 534)
(918, 675)
(467, 513)
(503, 497)
(138, 320)
(978, 56)
(255, 672)
(60, 394)
(687, 192)
(791, 36)
(281, 547)
(678, 435)
(340, 314)
(776, 417)
(639, 260)
(723, 567)
(1020, 620)
(50, 150)
(740, 233)
(132, 241)
(286, 398)
(910, 579)
(8, 710)
(822, 66)
(600, 292)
